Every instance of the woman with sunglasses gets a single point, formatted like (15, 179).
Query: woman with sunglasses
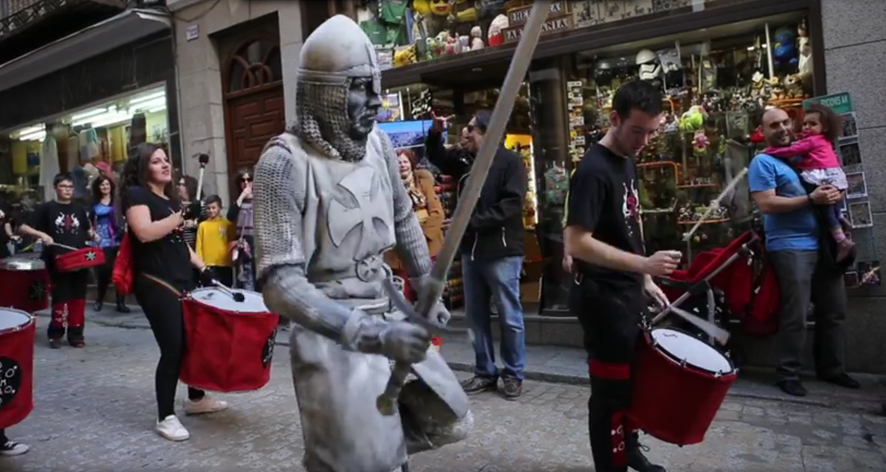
(240, 213)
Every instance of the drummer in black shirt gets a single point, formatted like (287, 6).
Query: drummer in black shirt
(604, 238)
(63, 224)
(162, 270)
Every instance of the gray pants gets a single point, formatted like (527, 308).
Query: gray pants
(799, 281)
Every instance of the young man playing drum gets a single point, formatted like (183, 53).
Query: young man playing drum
(63, 225)
(604, 238)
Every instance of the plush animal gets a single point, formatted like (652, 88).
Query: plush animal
(693, 119)
(465, 11)
(784, 50)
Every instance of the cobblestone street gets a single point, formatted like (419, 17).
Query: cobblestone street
(95, 409)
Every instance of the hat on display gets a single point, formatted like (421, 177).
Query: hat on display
(650, 67)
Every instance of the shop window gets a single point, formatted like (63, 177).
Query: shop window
(254, 64)
(717, 82)
(406, 32)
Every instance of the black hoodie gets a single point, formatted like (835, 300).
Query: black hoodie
(496, 227)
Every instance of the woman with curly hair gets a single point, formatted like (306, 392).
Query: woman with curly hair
(110, 233)
(162, 265)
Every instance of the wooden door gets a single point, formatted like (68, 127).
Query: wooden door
(254, 104)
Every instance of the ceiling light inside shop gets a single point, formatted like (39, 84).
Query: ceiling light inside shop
(105, 119)
(92, 113)
(154, 110)
(29, 130)
(148, 98)
(34, 136)
(147, 105)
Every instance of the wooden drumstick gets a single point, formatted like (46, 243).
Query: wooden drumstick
(237, 296)
(712, 330)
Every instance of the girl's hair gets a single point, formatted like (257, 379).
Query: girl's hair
(831, 123)
(96, 188)
(243, 171)
(136, 172)
(190, 186)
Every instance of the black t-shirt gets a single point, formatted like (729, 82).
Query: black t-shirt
(167, 258)
(603, 200)
(66, 223)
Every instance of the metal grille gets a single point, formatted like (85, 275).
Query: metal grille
(15, 14)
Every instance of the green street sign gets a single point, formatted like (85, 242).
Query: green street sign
(839, 102)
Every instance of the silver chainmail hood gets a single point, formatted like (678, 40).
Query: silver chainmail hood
(329, 63)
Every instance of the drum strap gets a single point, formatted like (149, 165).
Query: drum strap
(163, 284)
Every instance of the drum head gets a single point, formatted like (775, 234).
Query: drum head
(216, 298)
(695, 352)
(12, 318)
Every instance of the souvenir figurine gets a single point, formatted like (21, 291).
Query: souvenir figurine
(496, 35)
(477, 39)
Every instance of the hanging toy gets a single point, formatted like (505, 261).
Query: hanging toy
(693, 119)
(784, 50)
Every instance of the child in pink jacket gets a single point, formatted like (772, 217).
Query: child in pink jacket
(820, 165)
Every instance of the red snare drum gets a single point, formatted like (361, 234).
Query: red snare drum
(229, 345)
(16, 366)
(679, 385)
(24, 283)
(80, 259)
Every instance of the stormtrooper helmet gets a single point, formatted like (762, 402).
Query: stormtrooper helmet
(650, 67)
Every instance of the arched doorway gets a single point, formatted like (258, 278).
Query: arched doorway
(254, 105)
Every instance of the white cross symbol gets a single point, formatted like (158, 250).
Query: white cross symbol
(90, 256)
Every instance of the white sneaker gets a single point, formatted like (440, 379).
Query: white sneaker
(204, 405)
(13, 449)
(172, 429)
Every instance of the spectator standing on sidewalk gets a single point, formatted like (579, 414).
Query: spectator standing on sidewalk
(792, 242)
(492, 254)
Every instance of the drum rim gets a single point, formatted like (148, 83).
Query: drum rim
(682, 362)
(189, 296)
(31, 320)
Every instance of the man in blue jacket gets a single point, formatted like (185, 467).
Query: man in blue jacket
(492, 253)
(792, 242)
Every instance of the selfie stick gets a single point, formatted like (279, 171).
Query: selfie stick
(204, 159)
(387, 401)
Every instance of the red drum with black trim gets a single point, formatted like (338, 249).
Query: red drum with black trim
(24, 283)
(229, 345)
(80, 259)
(679, 384)
(16, 366)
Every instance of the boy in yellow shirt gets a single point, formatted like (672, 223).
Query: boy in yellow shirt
(213, 235)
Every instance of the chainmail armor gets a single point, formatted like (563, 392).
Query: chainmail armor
(322, 119)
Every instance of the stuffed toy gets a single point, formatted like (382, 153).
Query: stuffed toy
(693, 119)
(440, 7)
(784, 50)
(496, 35)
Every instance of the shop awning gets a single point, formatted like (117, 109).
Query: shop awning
(99, 38)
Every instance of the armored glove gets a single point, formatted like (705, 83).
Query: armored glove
(397, 340)
(438, 313)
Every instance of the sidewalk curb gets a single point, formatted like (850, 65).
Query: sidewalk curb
(538, 376)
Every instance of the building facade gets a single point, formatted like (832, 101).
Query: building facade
(81, 81)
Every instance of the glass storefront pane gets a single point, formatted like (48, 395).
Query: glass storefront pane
(85, 143)
(717, 82)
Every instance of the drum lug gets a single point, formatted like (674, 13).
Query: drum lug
(683, 363)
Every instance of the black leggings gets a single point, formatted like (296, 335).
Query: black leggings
(103, 272)
(163, 309)
(3, 438)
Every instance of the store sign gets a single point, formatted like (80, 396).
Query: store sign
(553, 25)
(839, 102)
(519, 16)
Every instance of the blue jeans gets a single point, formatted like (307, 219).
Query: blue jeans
(499, 279)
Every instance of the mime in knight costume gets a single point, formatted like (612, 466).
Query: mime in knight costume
(328, 203)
